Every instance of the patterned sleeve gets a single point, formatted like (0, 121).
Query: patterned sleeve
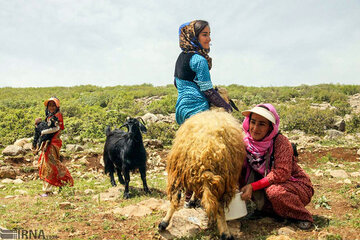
(200, 66)
(61, 121)
(282, 168)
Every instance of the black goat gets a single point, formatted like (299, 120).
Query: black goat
(124, 151)
(38, 138)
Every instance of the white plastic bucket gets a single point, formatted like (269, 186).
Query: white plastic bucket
(237, 208)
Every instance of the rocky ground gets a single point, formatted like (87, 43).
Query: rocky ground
(335, 206)
(92, 209)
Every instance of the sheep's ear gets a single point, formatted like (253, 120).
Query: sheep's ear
(232, 104)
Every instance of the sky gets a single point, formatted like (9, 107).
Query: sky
(119, 42)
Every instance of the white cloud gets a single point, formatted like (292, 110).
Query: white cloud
(259, 43)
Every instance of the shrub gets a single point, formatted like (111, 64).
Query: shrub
(311, 121)
(162, 131)
(353, 126)
(166, 105)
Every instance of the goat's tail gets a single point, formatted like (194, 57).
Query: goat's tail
(212, 189)
(107, 131)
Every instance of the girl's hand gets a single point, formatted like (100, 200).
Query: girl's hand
(247, 192)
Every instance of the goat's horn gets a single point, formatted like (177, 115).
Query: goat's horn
(142, 120)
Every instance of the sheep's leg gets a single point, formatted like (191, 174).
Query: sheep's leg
(120, 176)
(175, 202)
(142, 171)
(222, 226)
(127, 181)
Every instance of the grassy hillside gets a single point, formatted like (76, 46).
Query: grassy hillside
(87, 110)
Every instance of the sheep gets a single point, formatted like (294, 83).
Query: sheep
(39, 127)
(125, 152)
(206, 157)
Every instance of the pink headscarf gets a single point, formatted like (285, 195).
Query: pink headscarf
(260, 148)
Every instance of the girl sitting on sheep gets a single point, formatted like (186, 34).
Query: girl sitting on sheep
(51, 170)
(272, 177)
(192, 76)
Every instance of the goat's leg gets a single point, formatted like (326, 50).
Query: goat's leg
(127, 181)
(222, 225)
(120, 176)
(174, 204)
(142, 171)
(112, 179)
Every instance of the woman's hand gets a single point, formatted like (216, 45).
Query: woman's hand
(246, 192)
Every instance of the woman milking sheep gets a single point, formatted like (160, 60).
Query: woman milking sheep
(271, 175)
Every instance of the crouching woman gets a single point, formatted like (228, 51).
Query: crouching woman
(272, 178)
(51, 170)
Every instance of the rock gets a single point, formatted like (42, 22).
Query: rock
(319, 173)
(15, 159)
(89, 191)
(347, 181)
(21, 192)
(27, 147)
(334, 134)
(154, 143)
(7, 172)
(133, 211)
(102, 161)
(7, 180)
(150, 118)
(2, 186)
(21, 142)
(186, 222)
(338, 174)
(65, 205)
(279, 237)
(355, 174)
(13, 150)
(358, 152)
(79, 148)
(70, 147)
(156, 204)
(322, 106)
(354, 102)
(10, 196)
(18, 181)
(286, 231)
(74, 148)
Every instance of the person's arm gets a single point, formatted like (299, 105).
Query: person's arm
(200, 66)
(214, 97)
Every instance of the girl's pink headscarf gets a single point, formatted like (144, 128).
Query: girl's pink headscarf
(260, 148)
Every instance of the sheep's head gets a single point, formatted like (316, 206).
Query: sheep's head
(132, 123)
(225, 95)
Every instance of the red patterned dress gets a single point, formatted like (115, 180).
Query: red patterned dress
(289, 188)
(51, 169)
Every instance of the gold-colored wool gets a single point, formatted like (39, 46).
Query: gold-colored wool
(206, 158)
